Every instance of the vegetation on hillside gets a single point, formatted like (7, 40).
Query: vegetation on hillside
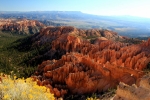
(11, 59)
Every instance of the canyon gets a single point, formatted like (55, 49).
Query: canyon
(80, 61)
(72, 61)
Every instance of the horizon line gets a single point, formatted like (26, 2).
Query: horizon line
(115, 15)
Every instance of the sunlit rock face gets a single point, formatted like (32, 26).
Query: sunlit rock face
(134, 92)
(85, 67)
(20, 26)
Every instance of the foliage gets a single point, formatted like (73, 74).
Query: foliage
(22, 89)
(104, 96)
(93, 97)
(90, 98)
(11, 59)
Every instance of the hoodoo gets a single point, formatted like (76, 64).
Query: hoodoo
(85, 67)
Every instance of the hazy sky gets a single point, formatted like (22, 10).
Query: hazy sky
(98, 7)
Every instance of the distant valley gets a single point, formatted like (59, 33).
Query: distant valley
(124, 25)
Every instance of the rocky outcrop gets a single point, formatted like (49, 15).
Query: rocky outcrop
(84, 67)
(134, 92)
(20, 26)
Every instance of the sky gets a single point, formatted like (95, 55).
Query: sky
(139, 8)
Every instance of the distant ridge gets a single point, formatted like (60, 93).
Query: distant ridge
(130, 26)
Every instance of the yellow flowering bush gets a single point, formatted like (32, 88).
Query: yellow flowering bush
(90, 98)
(22, 89)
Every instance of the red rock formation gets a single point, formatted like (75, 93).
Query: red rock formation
(134, 92)
(85, 67)
(21, 26)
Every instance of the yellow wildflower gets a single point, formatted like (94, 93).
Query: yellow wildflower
(6, 96)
